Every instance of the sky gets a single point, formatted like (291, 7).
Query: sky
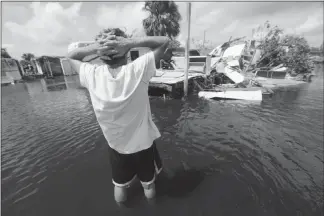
(47, 28)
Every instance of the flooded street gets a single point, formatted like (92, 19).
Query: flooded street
(224, 158)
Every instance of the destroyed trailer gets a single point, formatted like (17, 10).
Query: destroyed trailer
(228, 79)
(231, 60)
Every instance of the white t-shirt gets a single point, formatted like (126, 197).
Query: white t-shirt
(120, 100)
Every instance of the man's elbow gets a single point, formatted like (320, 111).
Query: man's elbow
(75, 64)
(72, 55)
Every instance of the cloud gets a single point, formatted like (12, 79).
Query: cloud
(48, 28)
(206, 20)
(125, 16)
(224, 19)
(310, 26)
(10, 11)
(313, 21)
(7, 46)
(231, 27)
(50, 23)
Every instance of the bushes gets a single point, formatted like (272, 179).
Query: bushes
(298, 55)
(291, 50)
(4, 53)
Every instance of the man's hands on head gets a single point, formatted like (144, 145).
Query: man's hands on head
(119, 46)
(105, 51)
(111, 46)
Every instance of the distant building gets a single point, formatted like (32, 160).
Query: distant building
(51, 66)
(317, 53)
(11, 70)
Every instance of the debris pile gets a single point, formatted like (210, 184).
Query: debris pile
(269, 54)
(242, 68)
(234, 63)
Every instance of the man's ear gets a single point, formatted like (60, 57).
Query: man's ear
(168, 50)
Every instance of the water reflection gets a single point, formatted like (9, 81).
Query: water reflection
(174, 110)
(56, 87)
(180, 183)
(61, 83)
(57, 84)
(235, 102)
(289, 94)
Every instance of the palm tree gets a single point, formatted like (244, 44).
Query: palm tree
(163, 19)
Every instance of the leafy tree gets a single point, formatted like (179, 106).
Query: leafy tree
(270, 46)
(28, 56)
(298, 56)
(291, 50)
(163, 19)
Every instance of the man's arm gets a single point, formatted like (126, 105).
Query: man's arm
(76, 56)
(96, 48)
(81, 52)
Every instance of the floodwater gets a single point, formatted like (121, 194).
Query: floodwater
(222, 157)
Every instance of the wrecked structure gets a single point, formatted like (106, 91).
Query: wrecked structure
(230, 62)
(52, 66)
(237, 58)
(236, 73)
(270, 59)
(11, 70)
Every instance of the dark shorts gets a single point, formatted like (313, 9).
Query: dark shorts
(145, 165)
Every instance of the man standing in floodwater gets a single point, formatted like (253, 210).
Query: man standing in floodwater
(119, 95)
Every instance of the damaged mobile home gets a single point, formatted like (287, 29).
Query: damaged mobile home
(11, 69)
(237, 72)
(52, 66)
(230, 63)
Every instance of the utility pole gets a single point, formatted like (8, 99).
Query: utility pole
(185, 84)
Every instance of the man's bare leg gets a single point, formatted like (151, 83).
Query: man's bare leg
(149, 190)
(120, 194)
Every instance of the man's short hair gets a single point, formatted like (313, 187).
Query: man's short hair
(114, 31)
